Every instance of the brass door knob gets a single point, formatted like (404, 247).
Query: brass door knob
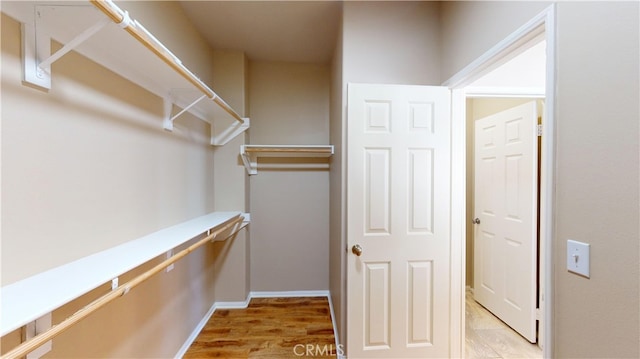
(357, 250)
(476, 221)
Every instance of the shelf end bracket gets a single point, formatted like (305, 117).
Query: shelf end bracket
(231, 132)
(250, 161)
(167, 122)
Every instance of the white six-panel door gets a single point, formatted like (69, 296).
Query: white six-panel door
(398, 209)
(506, 190)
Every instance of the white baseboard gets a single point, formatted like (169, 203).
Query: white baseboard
(232, 305)
(290, 294)
(244, 304)
(196, 331)
(339, 348)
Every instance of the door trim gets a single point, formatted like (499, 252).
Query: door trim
(542, 25)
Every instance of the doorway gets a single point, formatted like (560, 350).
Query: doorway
(502, 264)
(503, 156)
(538, 29)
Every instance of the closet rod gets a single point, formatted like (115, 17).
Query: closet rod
(33, 344)
(143, 36)
(288, 150)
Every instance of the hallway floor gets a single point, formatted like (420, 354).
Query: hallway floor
(488, 337)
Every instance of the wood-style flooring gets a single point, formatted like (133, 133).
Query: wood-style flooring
(269, 328)
(289, 327)
(488, 337)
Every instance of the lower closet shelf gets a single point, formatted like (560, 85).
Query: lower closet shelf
(33, 297)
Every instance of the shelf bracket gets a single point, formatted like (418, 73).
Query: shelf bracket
(35, 328)
(36, 44)
(250, 161)
(231, 132)
(168, 105)
(167, 122)
(46, 64)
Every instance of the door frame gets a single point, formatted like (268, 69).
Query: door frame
(542, 24)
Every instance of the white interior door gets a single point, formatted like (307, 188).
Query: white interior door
(398, 209)
(506, 192)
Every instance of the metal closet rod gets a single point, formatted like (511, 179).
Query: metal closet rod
(34, 343)
(144, 37)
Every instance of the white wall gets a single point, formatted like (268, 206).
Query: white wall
(289, 207)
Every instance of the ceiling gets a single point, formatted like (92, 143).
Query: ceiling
(289, 31)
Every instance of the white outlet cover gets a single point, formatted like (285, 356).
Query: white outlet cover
(578, 257)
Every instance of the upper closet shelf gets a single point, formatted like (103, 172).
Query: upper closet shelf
(250, 153)
(121, 44)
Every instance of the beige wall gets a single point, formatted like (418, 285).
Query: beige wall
(90, 162)
(88, 166)
(289, 207)
(597, 179)
(391, 42)
(337, 197)
(167, 21)
(596, 189)
(470, 28)
(230, 72)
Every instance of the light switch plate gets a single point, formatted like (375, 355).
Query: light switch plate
(578, 257)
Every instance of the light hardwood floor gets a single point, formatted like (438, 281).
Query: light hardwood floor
(488, 337)
(268, 328)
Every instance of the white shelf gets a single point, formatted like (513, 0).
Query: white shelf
(116, 49)
(26, 300)
(250, 153)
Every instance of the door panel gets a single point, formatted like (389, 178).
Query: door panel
(377, 191)
(398, 208)
(420, 292)
(377, 308)
(506, 165)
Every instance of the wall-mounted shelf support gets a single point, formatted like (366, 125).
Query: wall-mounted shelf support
(229, 133)
(33, 52)
(250, 153)
(168, 120)
(46, 64)
(36, 46)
